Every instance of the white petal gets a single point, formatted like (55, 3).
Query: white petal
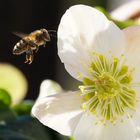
(88, 130)
(136, 120)
(127, 11)
(133, 49)
(49, 87)
(82, 31)
(60, 112)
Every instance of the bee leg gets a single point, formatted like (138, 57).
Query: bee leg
(37, 48)
(44, 45)
(29, 56)
(34, 45)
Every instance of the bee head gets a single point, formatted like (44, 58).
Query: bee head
(45, 35)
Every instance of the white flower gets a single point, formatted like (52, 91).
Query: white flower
(129, 10)
(106, 60)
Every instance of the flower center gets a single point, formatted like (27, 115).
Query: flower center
(108, 93)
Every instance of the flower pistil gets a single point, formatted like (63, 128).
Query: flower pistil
(109, 93)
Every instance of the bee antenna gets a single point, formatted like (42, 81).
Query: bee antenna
(51, 31)
(53, 35)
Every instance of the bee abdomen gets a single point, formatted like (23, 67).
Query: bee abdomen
(20, 47)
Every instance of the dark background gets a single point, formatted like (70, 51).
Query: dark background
(26, 16)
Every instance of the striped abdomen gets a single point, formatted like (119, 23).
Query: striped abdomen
(20, 47)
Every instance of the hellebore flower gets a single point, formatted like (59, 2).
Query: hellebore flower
(106, 61)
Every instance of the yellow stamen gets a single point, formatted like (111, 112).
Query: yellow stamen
(108, 93)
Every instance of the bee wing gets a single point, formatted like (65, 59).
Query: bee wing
(20, 34)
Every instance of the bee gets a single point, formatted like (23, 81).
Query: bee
(31, 43)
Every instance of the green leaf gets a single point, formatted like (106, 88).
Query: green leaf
(5, 97)
(13, 80)
(24, 108)
(127, 23)
(103, 11)
(25, 128)
(28, 128)
(6, 134)
(120, 24)
(6, 114)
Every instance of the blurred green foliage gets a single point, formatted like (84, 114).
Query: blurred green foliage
(5, 97)
(23, 108)
(120, 24)
(16, 122)
(6, 113)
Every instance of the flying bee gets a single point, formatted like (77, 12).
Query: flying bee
(31, 43)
